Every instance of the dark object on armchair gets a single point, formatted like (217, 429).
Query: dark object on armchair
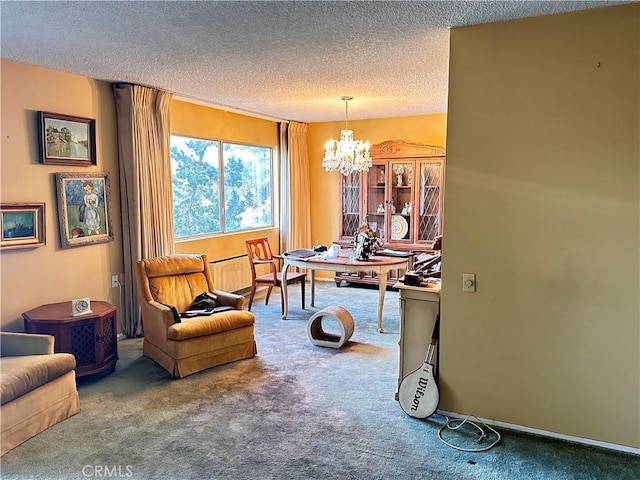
(259, 253)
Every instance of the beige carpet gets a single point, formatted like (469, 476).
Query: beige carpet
(296, 411)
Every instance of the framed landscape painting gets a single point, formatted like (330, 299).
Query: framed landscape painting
(84, 208)
(23, 225)
(67, 140)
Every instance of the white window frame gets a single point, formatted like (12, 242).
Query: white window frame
(221, 186)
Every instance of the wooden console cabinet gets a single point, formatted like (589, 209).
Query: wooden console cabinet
(419, 308)
(91, 338)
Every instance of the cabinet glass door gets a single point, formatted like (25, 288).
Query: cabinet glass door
(430, 206)
(377, 199)
(350, 204)
(401, 198)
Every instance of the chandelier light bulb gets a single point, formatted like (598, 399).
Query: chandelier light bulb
(346, 155)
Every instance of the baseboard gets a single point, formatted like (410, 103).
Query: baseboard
(545, 433)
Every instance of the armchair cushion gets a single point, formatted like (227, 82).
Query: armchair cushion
(178, 290)
(22, 374)
(207, 325)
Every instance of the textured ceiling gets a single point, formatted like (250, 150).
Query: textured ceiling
(286, 60)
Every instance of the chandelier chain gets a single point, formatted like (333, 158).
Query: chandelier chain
(346, 114)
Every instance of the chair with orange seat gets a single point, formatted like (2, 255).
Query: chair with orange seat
(260, 253)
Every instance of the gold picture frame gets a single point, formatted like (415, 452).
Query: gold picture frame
(84, 208)
(67, 140)
(22, 225)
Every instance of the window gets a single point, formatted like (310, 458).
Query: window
(220, 187)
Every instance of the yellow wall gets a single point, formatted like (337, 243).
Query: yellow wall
(427, 129)
(543, 204)
(49, 274)
(198, 121)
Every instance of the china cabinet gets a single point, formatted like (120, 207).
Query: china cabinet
(400, 196)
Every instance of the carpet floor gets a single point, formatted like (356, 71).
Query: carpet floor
(295, 411)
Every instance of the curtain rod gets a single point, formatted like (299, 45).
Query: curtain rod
(228, 109)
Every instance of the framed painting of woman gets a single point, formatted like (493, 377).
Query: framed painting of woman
(84, 208)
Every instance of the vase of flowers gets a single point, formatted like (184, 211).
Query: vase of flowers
(365, 242)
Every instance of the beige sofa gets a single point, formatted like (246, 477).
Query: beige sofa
(37, 387)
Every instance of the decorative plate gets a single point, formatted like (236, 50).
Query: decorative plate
(399, 227)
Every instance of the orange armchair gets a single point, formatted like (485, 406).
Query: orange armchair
(259, 253)
(187, 345)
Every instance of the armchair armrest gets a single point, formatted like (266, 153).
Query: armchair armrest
(15, 344)
(234, 300)
(156, 319)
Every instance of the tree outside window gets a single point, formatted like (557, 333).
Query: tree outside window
(244, 184)
(247, 187)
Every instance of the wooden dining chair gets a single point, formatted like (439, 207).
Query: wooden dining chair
(260, 253)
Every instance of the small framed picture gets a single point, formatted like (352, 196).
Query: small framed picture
(67, 140)
(84, 208)
(23, 225)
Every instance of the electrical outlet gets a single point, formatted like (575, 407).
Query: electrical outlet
(115, 283)
(468, 282)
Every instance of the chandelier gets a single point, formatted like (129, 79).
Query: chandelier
(347, 155)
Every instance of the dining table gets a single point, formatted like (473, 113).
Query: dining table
(378, 264)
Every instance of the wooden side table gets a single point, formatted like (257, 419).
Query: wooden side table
(91, 338)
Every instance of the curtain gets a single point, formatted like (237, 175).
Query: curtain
(298, 192)
(283, 149)
(142, 115)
